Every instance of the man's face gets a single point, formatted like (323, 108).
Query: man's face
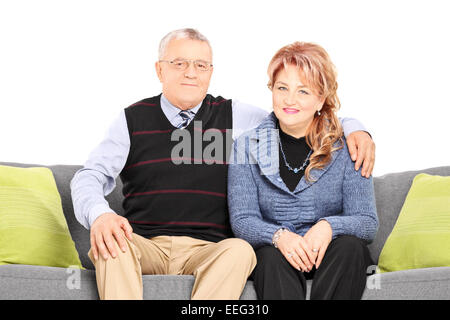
(185, 88)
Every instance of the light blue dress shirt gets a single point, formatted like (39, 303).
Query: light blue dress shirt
(96, 179)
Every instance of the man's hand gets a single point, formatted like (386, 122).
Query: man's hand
(318, 238)
(362, 150)
(106, 229)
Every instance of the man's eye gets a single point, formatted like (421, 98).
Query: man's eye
(201, 65)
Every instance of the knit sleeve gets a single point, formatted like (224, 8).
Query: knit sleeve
(359, 216)
(245, 216)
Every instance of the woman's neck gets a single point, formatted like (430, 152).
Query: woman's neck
(296, 132)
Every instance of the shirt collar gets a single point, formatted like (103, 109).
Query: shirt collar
(171, 111)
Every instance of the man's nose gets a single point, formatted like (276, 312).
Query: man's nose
(190, 72)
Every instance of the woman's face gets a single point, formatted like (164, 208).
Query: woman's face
(294, 104)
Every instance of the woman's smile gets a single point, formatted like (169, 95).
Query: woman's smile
(291, 110)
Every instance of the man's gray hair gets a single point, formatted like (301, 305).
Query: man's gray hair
(186, 33)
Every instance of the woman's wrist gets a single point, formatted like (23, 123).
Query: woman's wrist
(277, 235)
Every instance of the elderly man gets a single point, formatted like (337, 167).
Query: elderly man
(176, 217)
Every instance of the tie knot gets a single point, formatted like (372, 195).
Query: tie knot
(185, 114)
(186, 117)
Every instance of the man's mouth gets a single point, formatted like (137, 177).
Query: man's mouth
(189, 84)
(291, 110)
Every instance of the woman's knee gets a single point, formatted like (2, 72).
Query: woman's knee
(268, 253)
(349, 243)
(350, 248)
(270, 257)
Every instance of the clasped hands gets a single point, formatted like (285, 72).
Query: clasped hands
(304, 252)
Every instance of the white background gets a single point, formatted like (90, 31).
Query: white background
(67, 68)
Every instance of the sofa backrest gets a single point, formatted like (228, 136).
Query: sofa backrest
(390, 193)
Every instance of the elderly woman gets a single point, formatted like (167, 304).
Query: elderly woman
(307, 213)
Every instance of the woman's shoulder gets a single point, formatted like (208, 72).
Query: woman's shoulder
(340, 156)
(343, 157)
(339, 146)
(259, 133)
(342, 153)
(257, 146)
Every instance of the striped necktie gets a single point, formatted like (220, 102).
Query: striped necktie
(186, 116)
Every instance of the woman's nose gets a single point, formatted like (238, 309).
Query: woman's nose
(290, 99)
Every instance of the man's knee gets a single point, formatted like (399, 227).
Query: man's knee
(130, 249)
(238, 249)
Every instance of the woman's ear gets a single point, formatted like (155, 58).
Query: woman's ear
(322, 101)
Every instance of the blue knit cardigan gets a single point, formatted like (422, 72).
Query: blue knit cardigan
(260, 203)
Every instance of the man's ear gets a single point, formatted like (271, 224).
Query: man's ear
(158, 71)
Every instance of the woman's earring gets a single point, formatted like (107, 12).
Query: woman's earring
(318, 112)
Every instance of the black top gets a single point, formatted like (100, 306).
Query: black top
(296, 151)
(178, 199)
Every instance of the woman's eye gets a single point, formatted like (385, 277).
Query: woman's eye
(304, 92)
(282, 88)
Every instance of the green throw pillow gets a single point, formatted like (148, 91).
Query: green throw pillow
(421, 235)
(33, 229)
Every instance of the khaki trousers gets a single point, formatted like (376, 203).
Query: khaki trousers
(221, 269)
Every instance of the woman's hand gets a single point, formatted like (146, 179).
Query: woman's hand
(296, 251)
(318, 238)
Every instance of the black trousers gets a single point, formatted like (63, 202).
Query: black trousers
(341, 275)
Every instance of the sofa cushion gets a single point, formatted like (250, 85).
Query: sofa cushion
(33, 229)
(29, 282)
(390, 193)
(421, 235)
(26, 282)
(413, 284)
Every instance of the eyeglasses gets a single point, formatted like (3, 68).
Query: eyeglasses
(182, 64)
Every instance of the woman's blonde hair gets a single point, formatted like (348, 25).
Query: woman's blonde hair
(320, 75)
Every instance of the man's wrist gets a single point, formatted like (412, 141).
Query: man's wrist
(97, 211)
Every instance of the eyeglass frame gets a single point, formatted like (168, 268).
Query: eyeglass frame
(209, 64)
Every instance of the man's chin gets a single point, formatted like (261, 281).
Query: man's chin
(192, 101)
(192, 97)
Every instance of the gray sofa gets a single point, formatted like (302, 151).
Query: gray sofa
(36, 282)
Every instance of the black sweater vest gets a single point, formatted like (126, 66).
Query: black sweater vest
(167, 198)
